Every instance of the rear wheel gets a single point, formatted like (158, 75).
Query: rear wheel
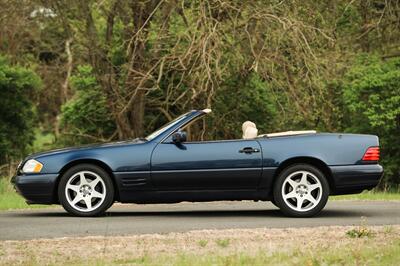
(301, 190)
(86, 190)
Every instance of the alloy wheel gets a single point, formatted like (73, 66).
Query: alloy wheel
(85, 191)
(302, 191)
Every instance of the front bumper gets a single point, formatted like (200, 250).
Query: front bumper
(36, 188)
(350, 179)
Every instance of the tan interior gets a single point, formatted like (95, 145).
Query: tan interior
(288, 133)
(250, 130)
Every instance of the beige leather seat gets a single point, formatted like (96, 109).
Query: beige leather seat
(250, 130)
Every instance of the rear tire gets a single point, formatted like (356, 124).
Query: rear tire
(301, 190)
(86, 190)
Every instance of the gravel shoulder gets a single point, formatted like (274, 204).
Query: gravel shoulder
(203, 247)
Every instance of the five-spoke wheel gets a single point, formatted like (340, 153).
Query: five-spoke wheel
(301, 190)
(86, 190)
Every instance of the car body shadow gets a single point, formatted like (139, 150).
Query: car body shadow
(268, 213)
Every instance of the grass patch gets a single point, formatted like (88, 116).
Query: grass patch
(358, 255)
(359, 232)
(253, 247)
(370, 195)
(388, 229)
(202, 243)
(223, 243)
(9, 199)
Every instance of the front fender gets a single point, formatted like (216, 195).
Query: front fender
(119, 159)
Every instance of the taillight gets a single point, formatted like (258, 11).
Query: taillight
(372, 154)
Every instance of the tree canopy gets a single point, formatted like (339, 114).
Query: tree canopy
(17, 115)
(118, 69)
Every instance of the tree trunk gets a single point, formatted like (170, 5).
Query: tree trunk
(137, 114)
(138, 68)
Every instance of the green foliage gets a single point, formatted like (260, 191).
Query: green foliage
(17, 113)
(349, 21)
(223, 243)
(9, 199)
(86, 114)
(372, 96)
(202, 243)
(241, 99)
(281, 67)
(44, 140)
(375, 194)
(359, 232)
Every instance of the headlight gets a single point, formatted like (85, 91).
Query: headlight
(32, 166)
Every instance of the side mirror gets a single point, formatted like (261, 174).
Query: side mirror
(179, 137)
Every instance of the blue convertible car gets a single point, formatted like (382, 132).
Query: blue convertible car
(296, 170)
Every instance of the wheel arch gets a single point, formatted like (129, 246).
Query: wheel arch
(96, 162)
(319, 164)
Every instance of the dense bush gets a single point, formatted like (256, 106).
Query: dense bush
(241, 99)
(17, 114)
(372, 96)
(86, 115)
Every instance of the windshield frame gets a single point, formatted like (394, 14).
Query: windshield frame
(167, 126)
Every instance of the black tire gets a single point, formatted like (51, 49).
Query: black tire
(109, 190)
(315, 208)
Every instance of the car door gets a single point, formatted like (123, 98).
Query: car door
(208, 165)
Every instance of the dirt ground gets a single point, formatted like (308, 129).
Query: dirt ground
(118, 248)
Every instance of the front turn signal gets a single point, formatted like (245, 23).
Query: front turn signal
(32, 166)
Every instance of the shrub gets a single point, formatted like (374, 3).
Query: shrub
(86, 117)
(372, 97)
(359, 232)
(17, 113)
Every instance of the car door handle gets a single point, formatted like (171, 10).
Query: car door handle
(249, 150)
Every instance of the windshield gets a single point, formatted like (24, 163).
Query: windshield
(166, 127)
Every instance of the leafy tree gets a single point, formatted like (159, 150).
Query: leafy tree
(85, 117)
(372, 96)
(17, 112)
(256, 100)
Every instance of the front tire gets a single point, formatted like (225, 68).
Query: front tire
(301, 190)
(86, 190)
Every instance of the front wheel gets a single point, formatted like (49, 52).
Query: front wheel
(86, 190)
(301, 190)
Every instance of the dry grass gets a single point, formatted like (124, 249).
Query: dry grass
(205, 246)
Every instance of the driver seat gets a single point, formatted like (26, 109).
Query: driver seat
(250, 130)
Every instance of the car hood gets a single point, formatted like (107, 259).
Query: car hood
(86, 147)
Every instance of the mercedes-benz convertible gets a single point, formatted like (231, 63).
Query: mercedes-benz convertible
(296, 170)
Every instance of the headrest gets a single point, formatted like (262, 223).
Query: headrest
(249, 130)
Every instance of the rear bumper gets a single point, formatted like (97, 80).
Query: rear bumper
(350, 179)
(36, 189)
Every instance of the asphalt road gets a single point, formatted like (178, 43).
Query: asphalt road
(162, 218)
